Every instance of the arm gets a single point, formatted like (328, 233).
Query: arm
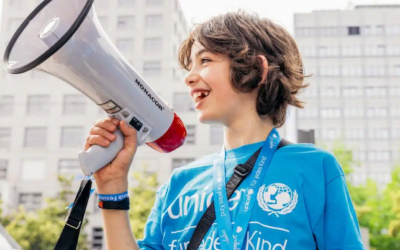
(113, 179)
(337, 227)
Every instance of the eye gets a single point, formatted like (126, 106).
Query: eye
(205, 60)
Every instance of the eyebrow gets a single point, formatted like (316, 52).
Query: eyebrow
(198, 53)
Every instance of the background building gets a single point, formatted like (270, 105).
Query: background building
(44, 121)
(354, 94)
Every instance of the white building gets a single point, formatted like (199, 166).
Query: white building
(44, 121)
(354, 94)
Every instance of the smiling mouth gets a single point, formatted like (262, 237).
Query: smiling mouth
(198, 96)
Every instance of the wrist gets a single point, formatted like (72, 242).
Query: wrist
(115, 186)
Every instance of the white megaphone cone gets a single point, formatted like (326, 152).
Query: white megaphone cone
(66, 40)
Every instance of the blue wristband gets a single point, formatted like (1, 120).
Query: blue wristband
(113, 197)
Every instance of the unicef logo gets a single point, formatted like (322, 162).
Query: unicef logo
(277, 199)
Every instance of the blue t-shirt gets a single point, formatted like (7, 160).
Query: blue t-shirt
(303, 203)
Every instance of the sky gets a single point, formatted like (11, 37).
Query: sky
(280, 11)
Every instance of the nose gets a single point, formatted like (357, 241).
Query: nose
(191, 78)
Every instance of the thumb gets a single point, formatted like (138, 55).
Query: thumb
(130, 136)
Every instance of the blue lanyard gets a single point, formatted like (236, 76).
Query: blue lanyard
(227, 236)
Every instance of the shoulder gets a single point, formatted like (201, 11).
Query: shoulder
(205, 161)
(312, 158)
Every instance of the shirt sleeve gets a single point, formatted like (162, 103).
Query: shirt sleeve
(153, 236)
(338, 228)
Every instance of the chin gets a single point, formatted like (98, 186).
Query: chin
(208, 118)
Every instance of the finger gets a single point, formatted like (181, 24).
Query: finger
(102, 132)
(96, 140)
(106, 124)
(130, 136)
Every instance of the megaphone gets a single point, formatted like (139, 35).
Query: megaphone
(64, 38)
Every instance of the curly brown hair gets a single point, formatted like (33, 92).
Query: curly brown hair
(242, 37)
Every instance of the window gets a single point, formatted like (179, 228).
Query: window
(216, 135)
(352, 70)
(395, 112)
(353, 112)
(353, 31)
(311, 92)
(6, 105)
(33, 170)
(396, 70)
(3, 169)
(328, 31)
(308, 112)
(306, 31)
(183, 102)
(35, 137)
(154, 2)
(331, 112)
(355, 133)
(5, 137)
(393, 29)
(191, 134)
(375, 50)
(154, 22)
(330, 92)
(375, 70)
(38, 104)
(359, 155)
(395, 91)
(152, 68)
(72, 136)
(377, 112)
(126, 3)
(126, 22)
(376, 91)
(352, 92)
(30, 201)
(97, 238)
(74, 104)
(379, 156)
(179, 162)
(125, 45)
(153, 45)
(329, 71)
(330, 134)
(393, 50)
(69, 167)
(378, 133)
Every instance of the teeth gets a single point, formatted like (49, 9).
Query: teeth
(197, 95)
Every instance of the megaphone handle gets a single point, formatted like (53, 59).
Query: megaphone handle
(97, 157)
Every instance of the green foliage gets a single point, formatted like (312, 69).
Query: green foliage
(41, 229)
(377, 209)
(142, 200)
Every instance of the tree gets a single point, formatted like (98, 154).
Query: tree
(142, 197)
(377, 209)
(41, 229)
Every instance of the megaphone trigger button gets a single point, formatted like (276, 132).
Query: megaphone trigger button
(125, 114)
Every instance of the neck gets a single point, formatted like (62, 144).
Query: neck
(247, 129)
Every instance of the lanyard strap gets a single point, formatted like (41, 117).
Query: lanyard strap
(208, 218)
(69, 237)
(234, 240)
(239, 174)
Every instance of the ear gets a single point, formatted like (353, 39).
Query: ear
(265, 67)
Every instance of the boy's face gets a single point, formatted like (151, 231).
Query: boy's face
(211, 89)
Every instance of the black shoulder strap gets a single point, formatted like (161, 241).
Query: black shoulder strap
(69, 236)
(239, 174)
